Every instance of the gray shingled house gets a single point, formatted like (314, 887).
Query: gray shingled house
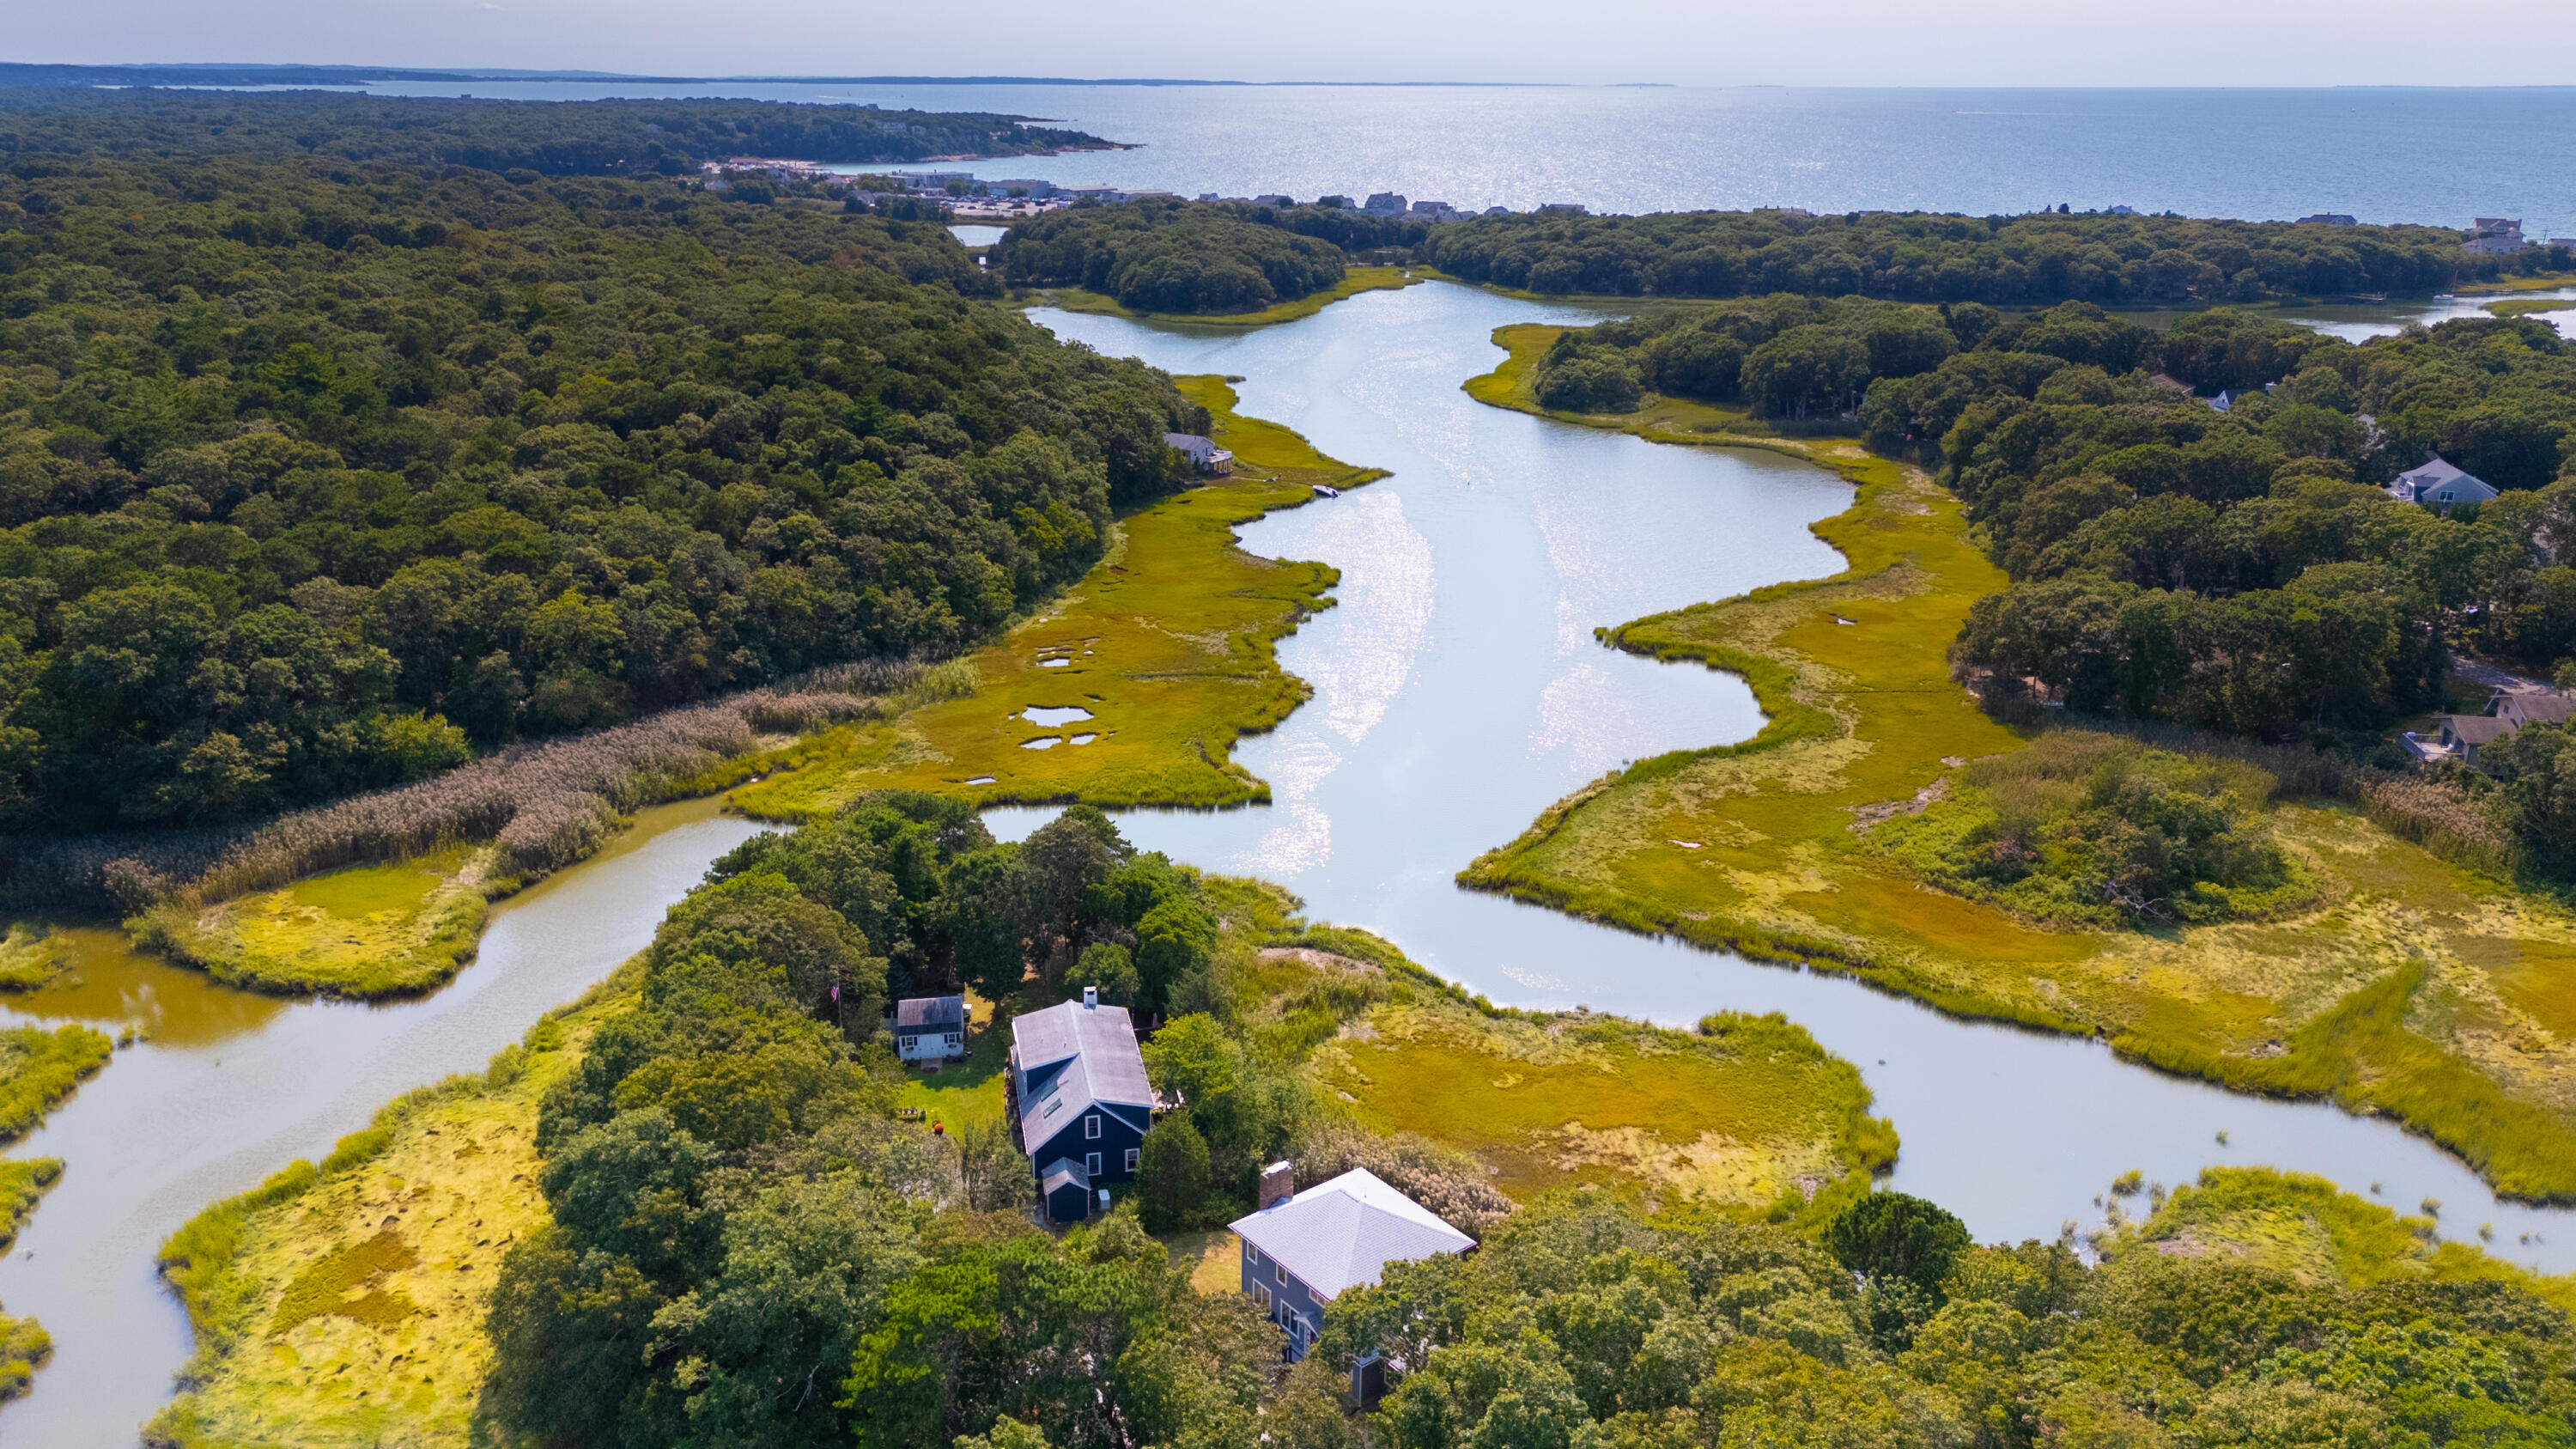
(1303, 1250)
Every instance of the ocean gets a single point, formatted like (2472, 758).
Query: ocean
(2439, 156)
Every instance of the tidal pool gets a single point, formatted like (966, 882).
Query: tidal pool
(1459, 691)
(1054, 718)
(230, 1086)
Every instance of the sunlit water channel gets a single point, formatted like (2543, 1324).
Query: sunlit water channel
(1459, 691)
(229, 1087)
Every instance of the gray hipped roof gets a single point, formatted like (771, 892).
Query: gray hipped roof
(1097, 1045)
(2429, 482)
(1342, 1233)
(916, 1012)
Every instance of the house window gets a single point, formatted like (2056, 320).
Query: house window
(1091, 1126)
(1280, 1274)
(1133, 1157)
(1091, 1163)
(953, 1041)
(1261, 1295)
(1251, 1254)
(909, 1041)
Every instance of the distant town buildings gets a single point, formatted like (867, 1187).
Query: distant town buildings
(1384, 203)
(2329, 218)
(2496, 234)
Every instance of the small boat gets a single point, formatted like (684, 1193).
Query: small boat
(1326, 490)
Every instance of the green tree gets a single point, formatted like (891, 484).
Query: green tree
(1172, 1175)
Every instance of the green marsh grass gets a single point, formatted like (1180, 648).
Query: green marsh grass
(365, 931)
(2416, 981)
(347, 1299)
(1170, 642)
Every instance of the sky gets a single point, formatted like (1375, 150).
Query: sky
(1714, 42)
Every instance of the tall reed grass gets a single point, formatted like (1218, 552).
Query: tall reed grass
(548, 803)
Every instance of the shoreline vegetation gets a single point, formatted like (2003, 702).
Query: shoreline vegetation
(349, 1299)
(1168, 644)
(2409, 985)
(38, 1070)
(390, 1292)
(1355, 280)
(346, 1301)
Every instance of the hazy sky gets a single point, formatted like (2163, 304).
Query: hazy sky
(1800, 42)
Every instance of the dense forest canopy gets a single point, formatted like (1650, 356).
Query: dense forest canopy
(555, 138)
(313, 472)
(2243, 570)
(1162, 255)
(2037, 259)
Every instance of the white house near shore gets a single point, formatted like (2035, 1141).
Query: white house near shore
(1203, 453)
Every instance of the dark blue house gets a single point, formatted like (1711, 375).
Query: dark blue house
(1078, 1084)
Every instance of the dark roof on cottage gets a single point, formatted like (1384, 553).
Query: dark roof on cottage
(915, 1013)
(1342, 1233)
(1101, 1065)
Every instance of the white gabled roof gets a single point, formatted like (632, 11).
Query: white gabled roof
(1342, 1233)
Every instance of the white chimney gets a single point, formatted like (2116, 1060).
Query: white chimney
(1278, 1183)
(1091, 998)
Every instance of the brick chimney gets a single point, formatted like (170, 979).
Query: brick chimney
(1091, 998)
(1278, 1183)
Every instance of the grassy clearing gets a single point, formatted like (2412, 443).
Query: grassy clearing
(343, 1304)
(367, 931)
(1169, 642)
(1746, 1113)
(2403, 984)
(2304, 1226)
(969, 1090)
(1355, 280)
(1213, 1255)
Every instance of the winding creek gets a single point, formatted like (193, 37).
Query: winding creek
(1458, 691)
(230, 1087)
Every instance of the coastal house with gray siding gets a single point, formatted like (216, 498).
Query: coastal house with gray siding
(1304, 1249)
(1079, 1093)
(2440, 485)
(930, 1028)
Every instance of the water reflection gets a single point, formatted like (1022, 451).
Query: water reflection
(109, 983)
(1458, 692)
(232, 1086)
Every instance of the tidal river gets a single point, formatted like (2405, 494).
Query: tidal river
(231, 1087)
(1458, 691)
